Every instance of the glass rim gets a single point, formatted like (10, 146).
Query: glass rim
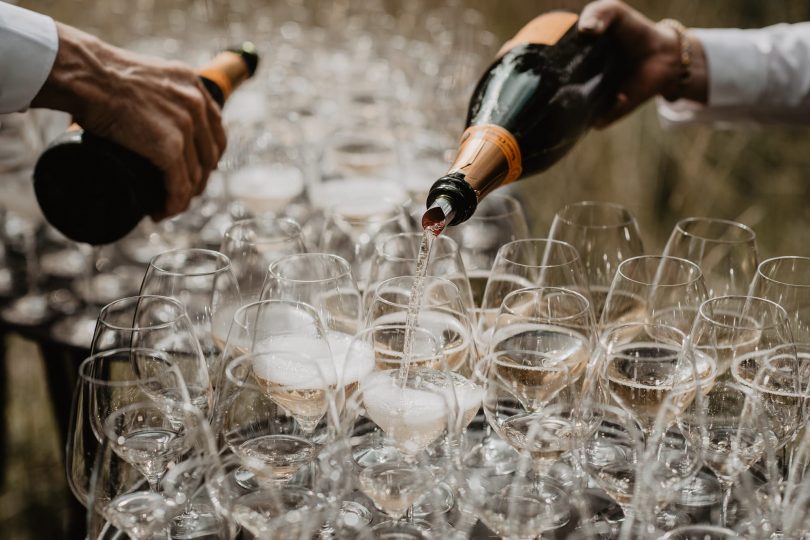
(129, 382)
(630, 220)
(730, 534)
(240, 224)
(345, 267)
(444, 281)
(379, 248)
(167, 299)
(552, 241)
(568, 292)
(510, 201)
(681, 261)
(781, 282)
(710, 318)
(223, 260)
(751, 236)
(758, 386)
(396, 211)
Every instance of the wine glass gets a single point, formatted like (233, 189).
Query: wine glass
(108, 381)
(529, 263)
(786, 281)
(275, 410)
(252, 244)
(204, 283)
(642, 364)
(148, 438)
(612, 445)
(652, 288)
(353, 227)
(265, 510)
(159, 323)
(604, 234)
(121, 495)
(730, 327)
(726, 252)
(441, 312)
(321, 280)
(498, 220)
(555, 322)
(397, 255)
(701, 532)
(733, 433)
(530, 404)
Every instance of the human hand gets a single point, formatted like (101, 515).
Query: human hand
(652, 57)
(156, 108)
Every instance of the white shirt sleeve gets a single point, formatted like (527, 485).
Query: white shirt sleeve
(28, 45)
(758, 75)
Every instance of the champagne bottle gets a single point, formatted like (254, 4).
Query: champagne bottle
(529, 108)
(95, 191)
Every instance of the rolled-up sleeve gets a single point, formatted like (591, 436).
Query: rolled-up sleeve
(760, 75)
(28, 46)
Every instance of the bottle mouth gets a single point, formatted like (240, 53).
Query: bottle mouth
(438, 215)
(454, 197)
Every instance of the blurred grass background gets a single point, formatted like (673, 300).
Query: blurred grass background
(754, 175)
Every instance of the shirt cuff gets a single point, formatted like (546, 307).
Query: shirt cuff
(28, 46)
(736, 65)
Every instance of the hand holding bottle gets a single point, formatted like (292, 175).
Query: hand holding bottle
(156, 108)
(652, 56)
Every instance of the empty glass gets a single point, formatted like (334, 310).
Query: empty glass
(252, 244)
(786, 281)
(604, 234)
(726, 252)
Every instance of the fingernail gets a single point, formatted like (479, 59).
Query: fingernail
(591, 24)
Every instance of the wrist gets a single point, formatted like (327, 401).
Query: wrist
(77, 73)
(684, 64)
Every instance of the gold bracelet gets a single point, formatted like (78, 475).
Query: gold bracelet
(685, 47)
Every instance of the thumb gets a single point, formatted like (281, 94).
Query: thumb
(597, 16)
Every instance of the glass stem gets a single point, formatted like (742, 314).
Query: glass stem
(726, 487)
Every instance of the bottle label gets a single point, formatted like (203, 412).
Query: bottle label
(488, 156)
(547, 29)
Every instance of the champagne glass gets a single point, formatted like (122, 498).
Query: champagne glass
(353, 227)
(148, 438)
(396, 255)
(555, 322)
(653, 288)
(108, 381)
(733, 434)
(604, 234)
(321, 280)
(120, 494)
(441, 312)
(498, 220)
(530, 404)
(612, 445)
(252, 244)
(275, 411)
(642, 364)
(204, 283)
(701, 532)
(265, 510)
(726, 252)
(530, 263)
(786, 281)
(730, 327)
(159, 323)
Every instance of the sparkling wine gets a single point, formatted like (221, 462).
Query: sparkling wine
(545, 435)
(412, 417)
(454, 338)
(557, 344)
(149, 449)
(415, 298)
